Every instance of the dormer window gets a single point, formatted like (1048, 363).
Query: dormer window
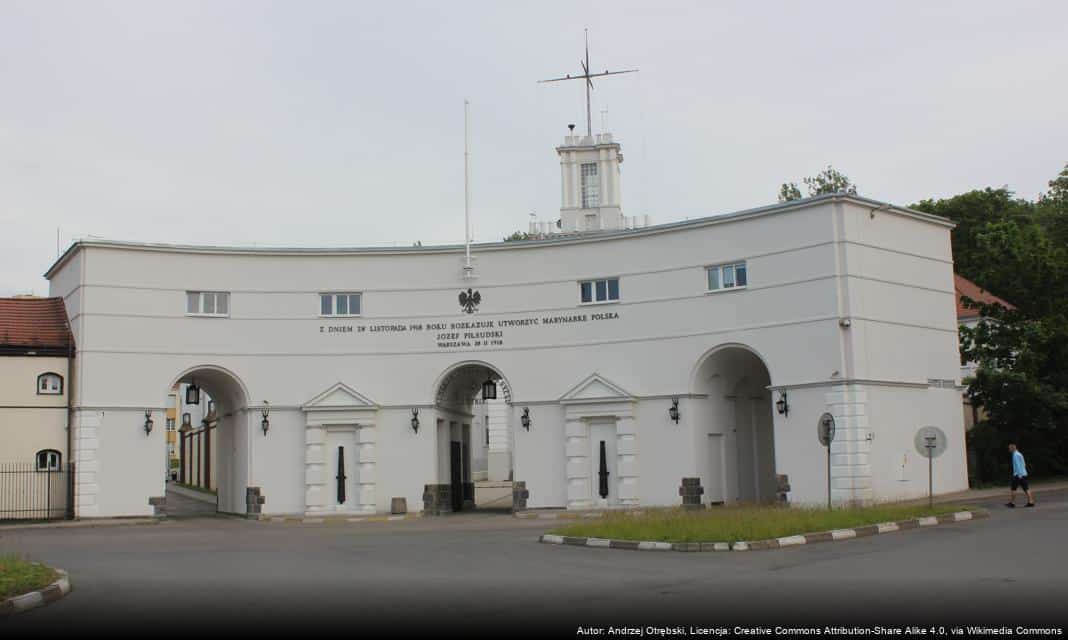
(49, 384)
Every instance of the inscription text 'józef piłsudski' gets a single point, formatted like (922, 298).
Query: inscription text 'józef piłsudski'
(468, 334)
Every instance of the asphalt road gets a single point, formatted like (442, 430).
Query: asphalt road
(486, 573)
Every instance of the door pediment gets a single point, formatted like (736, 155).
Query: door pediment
(596, 388)
(339, 396)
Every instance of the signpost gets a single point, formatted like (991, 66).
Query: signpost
(825, 433)
(930, 443)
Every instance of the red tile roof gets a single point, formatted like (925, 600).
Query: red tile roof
(966, 288)
(34, 324)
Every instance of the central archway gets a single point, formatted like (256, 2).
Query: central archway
(473, 452)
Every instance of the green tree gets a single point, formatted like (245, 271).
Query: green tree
(830, 180)
(789, 191)
(1017, 250)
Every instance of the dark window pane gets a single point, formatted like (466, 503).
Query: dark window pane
(354, 304)
(601, 290)
(739, 274)
(326, 304)
(587, 291)
(613, 289)
(343, 305)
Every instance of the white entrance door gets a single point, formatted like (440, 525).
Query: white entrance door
(603, 436)
(342, 452)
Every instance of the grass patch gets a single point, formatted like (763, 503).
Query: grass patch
(746, 522)
(18, 576)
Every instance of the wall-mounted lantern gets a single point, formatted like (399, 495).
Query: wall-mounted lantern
(265, 424)
(192, 393)
(415, 420)
(781, 405)
(187, 423)
(673, 412)
(525, 418)
(489, 389)
(148, 421)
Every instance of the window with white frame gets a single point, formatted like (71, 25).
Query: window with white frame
(49, 384)
(594, 291)
(339, 304)
(591, 186)
(207, 303)
(170, 424)
(47, 460)
(727, 276)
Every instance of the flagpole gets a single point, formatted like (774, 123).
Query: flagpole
(467, 196)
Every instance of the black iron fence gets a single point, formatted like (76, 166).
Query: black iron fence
(29, 493)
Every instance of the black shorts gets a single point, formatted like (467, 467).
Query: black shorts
(1020, 482)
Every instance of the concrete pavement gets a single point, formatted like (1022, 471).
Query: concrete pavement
(487, 573)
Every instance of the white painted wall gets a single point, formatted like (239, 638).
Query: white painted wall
(810, 264)
(31, 422)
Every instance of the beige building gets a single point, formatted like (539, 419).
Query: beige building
(35, 349)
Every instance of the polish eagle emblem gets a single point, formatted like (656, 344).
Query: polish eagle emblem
(469, 300)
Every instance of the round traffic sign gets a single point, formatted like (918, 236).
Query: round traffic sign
(825, 429)
(930, 442)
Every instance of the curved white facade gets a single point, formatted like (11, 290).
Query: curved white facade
(849, 307)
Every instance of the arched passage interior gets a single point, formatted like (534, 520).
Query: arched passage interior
(209, 449)
(736, 443)
(472, 413)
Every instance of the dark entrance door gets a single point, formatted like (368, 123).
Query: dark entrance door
(456, 475)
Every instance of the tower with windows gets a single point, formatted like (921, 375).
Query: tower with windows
(589, 175)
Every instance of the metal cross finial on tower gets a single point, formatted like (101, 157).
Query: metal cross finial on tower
(586, 75)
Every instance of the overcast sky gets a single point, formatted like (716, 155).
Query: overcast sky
(320, 123)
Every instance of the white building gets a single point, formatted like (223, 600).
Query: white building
(834, 304)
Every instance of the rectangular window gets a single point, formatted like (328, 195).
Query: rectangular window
(727, 276)
(207, 303)
(606, 290)
(591, 186)
(339, 304)
(170, 424)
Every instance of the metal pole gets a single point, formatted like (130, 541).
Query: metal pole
(930, 478)
(828, 476)
(467, 195)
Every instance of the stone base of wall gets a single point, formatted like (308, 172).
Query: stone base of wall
(437, 499)
(520, 495)
(254, 501)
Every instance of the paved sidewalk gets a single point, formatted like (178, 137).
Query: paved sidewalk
(1038, 487)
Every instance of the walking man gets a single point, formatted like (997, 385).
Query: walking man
(1019, 478)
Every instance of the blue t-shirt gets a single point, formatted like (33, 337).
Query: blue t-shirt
(1018, 466)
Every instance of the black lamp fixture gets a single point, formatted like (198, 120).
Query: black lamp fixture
(415, 420)
(781, 405)
(525, 418)
(489, 389)
(187, 423)
(148, 421)
(192, 393)
(673, 412)
(265, 424)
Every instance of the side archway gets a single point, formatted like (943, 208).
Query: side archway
(734, 416)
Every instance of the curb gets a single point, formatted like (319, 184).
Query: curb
(566, 515)
(39, 598)
(836, 535)
(328, 519)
